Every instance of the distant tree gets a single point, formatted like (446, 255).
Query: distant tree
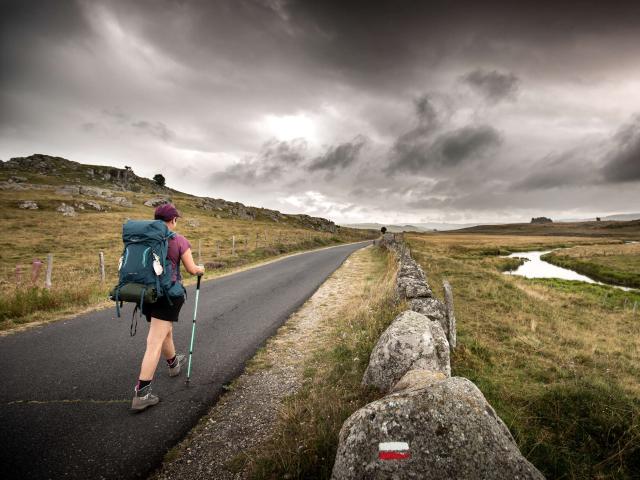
(127, 167)
(597, 219)
(159, 179)
(383, 230)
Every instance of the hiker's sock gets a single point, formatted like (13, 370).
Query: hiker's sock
(142, 384)
(172, 361)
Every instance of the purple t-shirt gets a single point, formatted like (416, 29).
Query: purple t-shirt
(177, 246)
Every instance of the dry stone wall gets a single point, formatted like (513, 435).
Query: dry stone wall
(429, 424)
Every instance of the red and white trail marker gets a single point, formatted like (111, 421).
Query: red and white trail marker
(393, 450)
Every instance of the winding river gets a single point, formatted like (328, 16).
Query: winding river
(535, 267)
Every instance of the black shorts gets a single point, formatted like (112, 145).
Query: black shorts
(163, 310)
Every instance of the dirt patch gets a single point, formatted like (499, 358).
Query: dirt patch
(246, 415)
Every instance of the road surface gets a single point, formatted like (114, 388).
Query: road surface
(67, 386)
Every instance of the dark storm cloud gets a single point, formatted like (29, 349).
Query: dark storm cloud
(494, 85)
(417, 153)
(111, 118)
(623, 161)
(574, 167)
(340, 156)
(273, 161)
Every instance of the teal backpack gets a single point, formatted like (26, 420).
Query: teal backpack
(145, 273)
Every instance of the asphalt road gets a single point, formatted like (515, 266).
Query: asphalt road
(67, 386)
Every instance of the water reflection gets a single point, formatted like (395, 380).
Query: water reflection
(535, 267)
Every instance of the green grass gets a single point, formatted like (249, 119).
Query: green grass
(558, 360)
(614, 269)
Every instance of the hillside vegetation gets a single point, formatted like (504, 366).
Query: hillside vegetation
(80, 212)
(558, 360)
(623, 230)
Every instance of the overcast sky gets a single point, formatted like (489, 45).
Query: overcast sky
(359, 111)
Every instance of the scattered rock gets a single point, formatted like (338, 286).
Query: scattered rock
(412, 341)
(29, 205)
(154, 202)
(6, 185)
(95, 191)
(451, 431)
(122, 201)
(66, 210)
(193, 222)
(17, 179)
(95, 206)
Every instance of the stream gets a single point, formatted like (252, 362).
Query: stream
(535, 267)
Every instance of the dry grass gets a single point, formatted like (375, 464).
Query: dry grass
(558, 360)
(306, 437)
(76, 241)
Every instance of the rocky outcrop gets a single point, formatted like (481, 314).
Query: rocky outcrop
(541, 220)
(445, 429)
(156, 201)
(412, 341)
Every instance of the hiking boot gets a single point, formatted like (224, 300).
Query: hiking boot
(174, 371)
(143, 398)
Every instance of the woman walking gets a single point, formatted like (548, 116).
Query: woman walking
(162, 314)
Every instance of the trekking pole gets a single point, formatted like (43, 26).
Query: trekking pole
(193, 328)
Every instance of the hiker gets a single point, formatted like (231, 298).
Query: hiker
(162, 314)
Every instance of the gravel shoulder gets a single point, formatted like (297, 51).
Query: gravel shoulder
(245, 416)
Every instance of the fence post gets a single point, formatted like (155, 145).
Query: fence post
(47, 280)
(257, 240)
(217, 248)
(233, 245)
(246, 241)
(266, 238)
(35, 270)
(18, 274)
(199, 251)
(102, 274)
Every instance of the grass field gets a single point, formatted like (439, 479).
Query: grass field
(75, 243)
(558, 360)
(615, 264)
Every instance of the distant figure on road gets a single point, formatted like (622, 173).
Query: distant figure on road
(162, 314)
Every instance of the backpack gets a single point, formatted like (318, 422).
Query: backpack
(145, 272)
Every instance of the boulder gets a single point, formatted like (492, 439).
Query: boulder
(445, 430)
(17, 179)
(154, 202)
(122, 201)
(95, 191)
(432, 308)
(29, 205)
(66, 210)
(193, 222)
(412, 341)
